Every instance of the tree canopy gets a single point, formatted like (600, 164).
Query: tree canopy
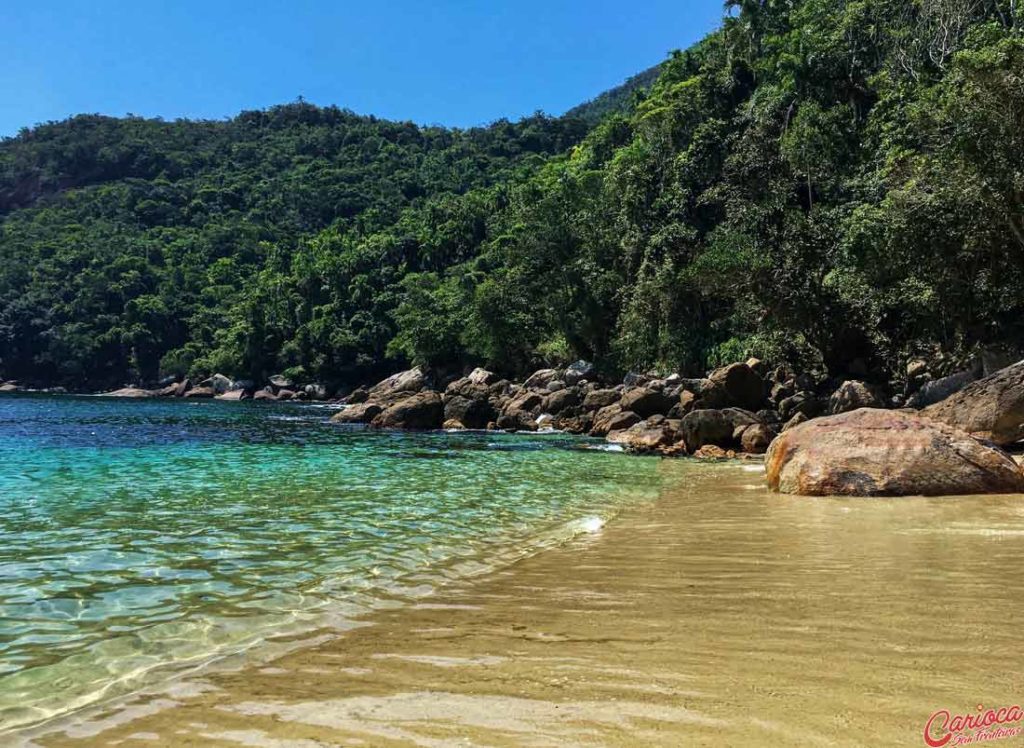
(831, 183)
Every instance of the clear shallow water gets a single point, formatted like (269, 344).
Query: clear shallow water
(141, 536)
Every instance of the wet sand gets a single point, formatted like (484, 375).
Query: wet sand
(717, 615)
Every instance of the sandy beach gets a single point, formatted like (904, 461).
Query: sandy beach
(716, 615)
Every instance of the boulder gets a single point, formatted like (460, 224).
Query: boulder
(472, 413)
(756, 438)
(529, 402)
(871, 452)
(9, 387)
(702, 427)
(285, 395)
(482, 376)
(555, 385)
(646, 401)
(242, 384)
(597, 399)
(266, 394)
(643, 437)
(540, 379)
(713, 452)
(452, 425)
(576, 424)
(632, 379)
(281, 382)
(853, 394)
(939, 389)
(357, 413)
(578, 371)
(316, 391)
(740, 385)
(613, 418)
(515, 419)
(423, 410)
(218, 383)
(557, 402)
(358, 395)
(795, 421)
(802, 402)
(201, 393)
(130, 392)
(992, 408)
(235, 396)
(412, 380)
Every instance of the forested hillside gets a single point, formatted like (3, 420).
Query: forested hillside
(838, 184)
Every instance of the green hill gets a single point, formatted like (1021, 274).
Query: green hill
(836, 185)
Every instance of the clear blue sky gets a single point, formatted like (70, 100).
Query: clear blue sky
(432, 61)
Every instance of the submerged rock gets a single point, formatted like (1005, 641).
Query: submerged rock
(870, 452)
(992, 408)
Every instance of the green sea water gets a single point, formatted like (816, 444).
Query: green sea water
(139, 538)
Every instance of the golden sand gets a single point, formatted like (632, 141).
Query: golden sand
(717, 615)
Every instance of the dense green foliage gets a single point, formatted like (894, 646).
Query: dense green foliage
(618, 100)
(827, 182)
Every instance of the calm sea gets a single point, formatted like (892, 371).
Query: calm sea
(140, 538)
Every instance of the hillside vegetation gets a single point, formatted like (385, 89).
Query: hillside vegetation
(834, 184)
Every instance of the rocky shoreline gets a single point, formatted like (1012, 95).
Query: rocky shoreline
(938, 436)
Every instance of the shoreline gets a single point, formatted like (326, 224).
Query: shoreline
(715, 614)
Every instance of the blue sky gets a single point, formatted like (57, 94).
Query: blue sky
(434, 61)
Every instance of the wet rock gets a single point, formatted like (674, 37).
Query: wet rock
(870, 452)
(852, 395)
(421, 411)
(453, 425)
(992, 408)
(266, 394)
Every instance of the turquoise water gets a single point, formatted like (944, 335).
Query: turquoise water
(138, 538)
